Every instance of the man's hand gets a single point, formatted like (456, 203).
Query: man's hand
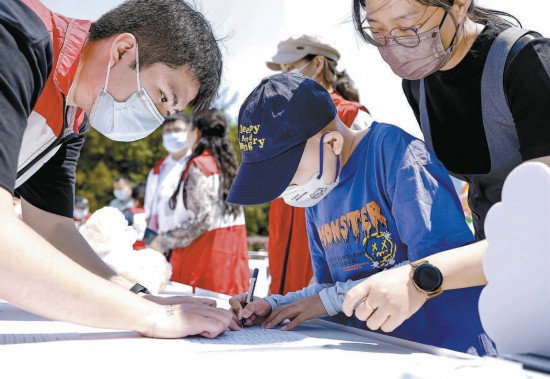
(179, 300)
(182, 320)
(385, 300)
(255, 312)
(299, 311)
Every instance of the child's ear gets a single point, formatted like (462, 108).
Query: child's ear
(336, 142)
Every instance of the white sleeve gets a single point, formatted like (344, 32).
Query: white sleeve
(150, 192)
(333, 297)
(279, 300)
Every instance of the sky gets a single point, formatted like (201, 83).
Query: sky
(251, 30)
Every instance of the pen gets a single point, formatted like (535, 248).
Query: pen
(250, 293)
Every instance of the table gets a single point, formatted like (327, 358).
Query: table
(332, 351)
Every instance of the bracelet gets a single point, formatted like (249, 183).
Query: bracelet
(137, 288)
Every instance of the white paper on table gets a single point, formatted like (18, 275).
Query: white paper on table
(252, 338)
(515, 306)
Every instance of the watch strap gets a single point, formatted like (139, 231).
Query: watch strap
(137, 288)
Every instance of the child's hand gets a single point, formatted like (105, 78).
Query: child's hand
(385, 300)
(299, 311)
(255, 312)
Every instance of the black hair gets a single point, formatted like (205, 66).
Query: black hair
(124, 179)
(476, 13)
(213, 127)
(168, 32)
(177, 116)
(138, 192)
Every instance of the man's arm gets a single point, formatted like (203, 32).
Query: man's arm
(39, 278)
(61, 233)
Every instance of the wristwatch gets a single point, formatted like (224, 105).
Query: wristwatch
(137, 288)
(427, 278)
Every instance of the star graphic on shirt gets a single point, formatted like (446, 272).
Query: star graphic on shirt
(387, 235)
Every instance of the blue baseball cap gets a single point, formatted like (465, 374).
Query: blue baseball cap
(275, 122)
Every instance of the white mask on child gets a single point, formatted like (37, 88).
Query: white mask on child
(314, 190)
(309, 193)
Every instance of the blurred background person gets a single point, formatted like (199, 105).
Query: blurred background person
(136, 214)
(205, 235)
(81, 211)
(288, 249)
(316, 59)
(122, 190)
(163, 179)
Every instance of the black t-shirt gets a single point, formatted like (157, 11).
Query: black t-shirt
(26, 58)
(453, 99)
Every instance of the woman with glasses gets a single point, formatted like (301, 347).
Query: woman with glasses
(480, 89)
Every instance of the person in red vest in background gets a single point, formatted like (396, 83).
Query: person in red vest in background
(206, 236)
(288, 250)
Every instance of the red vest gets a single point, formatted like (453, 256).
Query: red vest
(218, 259)
(284, 219)
(46, 122)
(347, 110)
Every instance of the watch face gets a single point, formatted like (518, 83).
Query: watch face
(427, 277)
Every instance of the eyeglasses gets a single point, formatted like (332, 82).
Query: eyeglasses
(406, 37)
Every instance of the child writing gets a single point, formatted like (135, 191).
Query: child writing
(376, 199)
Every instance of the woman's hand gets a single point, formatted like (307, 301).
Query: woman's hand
(298, 311)
(385, 300)
(255, 312)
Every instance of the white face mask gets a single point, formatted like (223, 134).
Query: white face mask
(125, 121)
(80, 213)
(299, 70)
(174, 142)
(314, 190)
(120, 194)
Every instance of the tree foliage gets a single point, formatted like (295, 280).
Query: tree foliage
(102, 160)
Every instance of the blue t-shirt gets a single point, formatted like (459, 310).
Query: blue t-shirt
(396, 204)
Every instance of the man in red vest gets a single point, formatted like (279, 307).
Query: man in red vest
(138, 63)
